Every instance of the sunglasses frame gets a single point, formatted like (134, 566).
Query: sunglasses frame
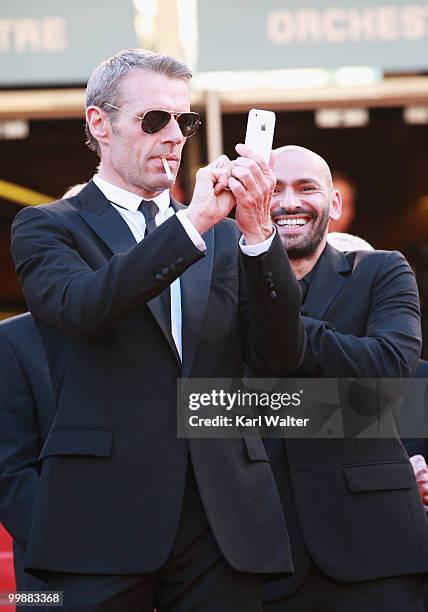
(170, 113)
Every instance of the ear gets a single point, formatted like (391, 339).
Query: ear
(98, 123)
(335, 205)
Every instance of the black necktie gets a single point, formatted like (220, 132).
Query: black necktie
(149, 210)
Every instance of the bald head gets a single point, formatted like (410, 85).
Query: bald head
(305, 158)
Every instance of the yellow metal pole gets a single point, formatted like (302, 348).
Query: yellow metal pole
(22, 195)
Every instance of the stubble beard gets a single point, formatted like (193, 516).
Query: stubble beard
(302, 247)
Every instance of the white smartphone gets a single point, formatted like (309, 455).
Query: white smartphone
(260, 129)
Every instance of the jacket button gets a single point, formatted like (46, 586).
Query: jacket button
(268, 275)
(165, 271)
(179, 261)
(272, 295)
(172, 268)
(159, 277)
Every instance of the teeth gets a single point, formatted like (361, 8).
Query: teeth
(291, 222)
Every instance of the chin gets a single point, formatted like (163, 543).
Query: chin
(165, 185)
(162, 181)
(157, 186)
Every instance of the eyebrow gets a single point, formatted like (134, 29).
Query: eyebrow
(300, 181)
(306, 180)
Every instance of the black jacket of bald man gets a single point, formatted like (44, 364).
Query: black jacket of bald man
(362, 320)
(27, 409)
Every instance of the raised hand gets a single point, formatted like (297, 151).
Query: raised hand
(211, 201)
(252, 183)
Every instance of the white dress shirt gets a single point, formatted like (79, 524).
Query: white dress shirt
(126, 203)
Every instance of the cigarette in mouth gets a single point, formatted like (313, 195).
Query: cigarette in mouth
(167, 170)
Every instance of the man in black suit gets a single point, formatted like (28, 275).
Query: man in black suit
(27, 410)
(357, 528)
(131, 291)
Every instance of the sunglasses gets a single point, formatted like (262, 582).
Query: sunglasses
(154, 121)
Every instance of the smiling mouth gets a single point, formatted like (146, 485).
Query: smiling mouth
(289, 221)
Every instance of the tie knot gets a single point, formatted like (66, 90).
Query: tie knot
(149, 210)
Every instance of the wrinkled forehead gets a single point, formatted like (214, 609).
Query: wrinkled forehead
(294, 165)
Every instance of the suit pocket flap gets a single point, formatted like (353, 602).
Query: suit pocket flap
(78, 441)
(380, 476)
(255, 449)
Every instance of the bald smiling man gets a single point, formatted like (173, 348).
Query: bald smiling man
(357, 527)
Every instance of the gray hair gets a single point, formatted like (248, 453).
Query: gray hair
(104, 83)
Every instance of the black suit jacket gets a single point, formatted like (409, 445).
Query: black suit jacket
(113, 469)
(355, 508)
(27, 410)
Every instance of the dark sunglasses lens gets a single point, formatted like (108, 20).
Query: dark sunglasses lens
(154, 121)
(189, 123)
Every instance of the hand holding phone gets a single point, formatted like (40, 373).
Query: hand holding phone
(253, 182)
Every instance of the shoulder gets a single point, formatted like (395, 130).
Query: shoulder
(32, 224)
(19, 333)
(58, 208)
(18, 326)
(377, 259)
(388, 275)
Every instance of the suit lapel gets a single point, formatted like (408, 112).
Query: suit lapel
(329, 279)
(108, 224)
(195, 285)
(104, 219)
(158, 311)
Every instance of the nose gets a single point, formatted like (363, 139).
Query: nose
(172, 132)
(289, 200)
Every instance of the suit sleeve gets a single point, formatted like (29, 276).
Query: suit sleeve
(63, 290)
(391, 345)
(274, 333)
(19, 446)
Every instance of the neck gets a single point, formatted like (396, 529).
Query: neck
(303, 266)
(108, 174)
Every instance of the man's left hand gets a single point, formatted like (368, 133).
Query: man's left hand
(421, 472)
(252, 184)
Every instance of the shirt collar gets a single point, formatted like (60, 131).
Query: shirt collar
(127, 199)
